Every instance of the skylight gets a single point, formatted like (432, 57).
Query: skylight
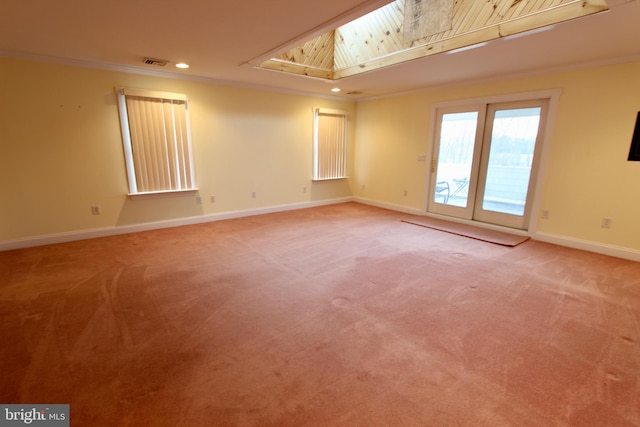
(406, 30)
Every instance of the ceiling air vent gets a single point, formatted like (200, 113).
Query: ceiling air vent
(355, 92)
(155, 61)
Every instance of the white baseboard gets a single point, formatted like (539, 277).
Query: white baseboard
(71, 236)
(601, 248)
(586, 245)
(390, 206)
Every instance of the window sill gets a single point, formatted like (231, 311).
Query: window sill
(161, 194)
(329, 179)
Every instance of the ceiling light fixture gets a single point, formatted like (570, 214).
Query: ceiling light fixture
(182, 65)
(335, 89)
(462, 49)
(528, 33)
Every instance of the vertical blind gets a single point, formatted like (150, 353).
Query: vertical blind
(330, 145)
(159, 149)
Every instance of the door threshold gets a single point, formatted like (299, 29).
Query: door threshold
(516, 231)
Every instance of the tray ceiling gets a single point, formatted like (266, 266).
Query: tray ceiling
(321, 45)
(403, 31)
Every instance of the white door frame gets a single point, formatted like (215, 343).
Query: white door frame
(553, 95)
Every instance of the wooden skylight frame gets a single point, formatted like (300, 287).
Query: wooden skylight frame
(377, 40)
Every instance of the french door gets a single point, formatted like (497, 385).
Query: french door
(485, 160)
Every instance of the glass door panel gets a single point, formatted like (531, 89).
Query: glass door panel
(507, 161)
(455, 162)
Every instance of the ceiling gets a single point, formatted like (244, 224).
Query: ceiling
(221, 41)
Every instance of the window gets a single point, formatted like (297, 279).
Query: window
(329, 144)
(157, 142)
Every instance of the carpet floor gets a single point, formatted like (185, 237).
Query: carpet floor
(341, 315)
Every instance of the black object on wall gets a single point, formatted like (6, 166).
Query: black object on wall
(634, 152)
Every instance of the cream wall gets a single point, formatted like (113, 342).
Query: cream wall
(61, 150)
(587, 175)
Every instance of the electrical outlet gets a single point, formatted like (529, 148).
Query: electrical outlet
(96, 210)
(212, 199)
(198, 200)
(545, 214)
(606, 222)
(304, 188)
(363, 187)
(253, 194)
(406, 193)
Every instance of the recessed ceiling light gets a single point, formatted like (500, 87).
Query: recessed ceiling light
(335, 89)
(182, 65)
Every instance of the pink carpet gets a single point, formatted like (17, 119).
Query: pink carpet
(334, 316)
